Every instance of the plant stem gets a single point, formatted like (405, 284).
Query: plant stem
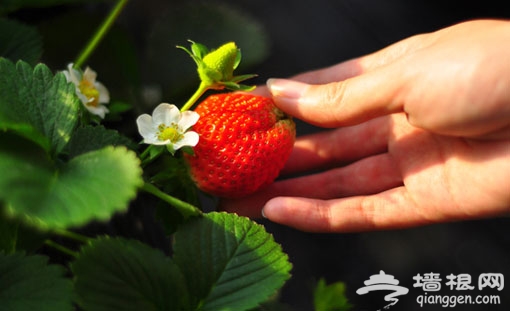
(72, 235)
(147, 157)
(100, 33)
(145, 154)
(61, 248)
(199, 92)
(184, 208)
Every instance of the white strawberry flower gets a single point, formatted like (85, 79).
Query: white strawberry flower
(168, 126)
(93, 94)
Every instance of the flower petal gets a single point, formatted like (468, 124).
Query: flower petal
(188, 119)
(82, 98)
(72, 75)
(104, 95)
(156, 141)
(153, 139)
(145, 126)
(189, 139)
(89, 75)
(166, 114)
(99, 110)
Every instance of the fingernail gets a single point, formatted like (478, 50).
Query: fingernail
(262, 212)
(286, 88)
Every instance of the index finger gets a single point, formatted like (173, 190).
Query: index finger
(348, 102)
(351, 92)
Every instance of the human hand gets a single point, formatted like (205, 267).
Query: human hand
(422, 135)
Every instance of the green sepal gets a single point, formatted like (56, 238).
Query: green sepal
(240, 78)
(195, 58)
(188, 150)
(198, 49)
(151, 153)
(171, 149)
(237, 61)
(238, 87)
(155, 151)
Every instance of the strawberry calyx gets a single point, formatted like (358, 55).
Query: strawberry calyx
(216, 67)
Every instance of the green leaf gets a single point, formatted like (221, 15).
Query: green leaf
(28, 283)
(19, 41)
(15, 236)
(230, 262)
(117, 109)
(35, 104)
(91, 186)
(330, 297)
(90, 138)
(170, 218)
(8, 236)
(114, 274)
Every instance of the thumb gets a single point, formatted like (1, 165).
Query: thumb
(348, 102)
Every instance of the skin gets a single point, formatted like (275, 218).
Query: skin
(419, 133)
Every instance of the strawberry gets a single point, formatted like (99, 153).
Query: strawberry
(245, 141)
(219, 65)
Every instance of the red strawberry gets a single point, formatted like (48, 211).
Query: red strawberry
(245, 141)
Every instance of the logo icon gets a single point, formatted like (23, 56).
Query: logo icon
(383, 281)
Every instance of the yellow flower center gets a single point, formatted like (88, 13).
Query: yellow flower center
(169, 133)
(87, 88)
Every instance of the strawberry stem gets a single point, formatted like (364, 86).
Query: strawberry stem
(186, 209)
(100, 33)
(61, 248)
(202, 88)
(72, 235)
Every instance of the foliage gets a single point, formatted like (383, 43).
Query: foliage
(235, 267)
(65, 171)
(38, 115)
(330, 297)
(29, 283)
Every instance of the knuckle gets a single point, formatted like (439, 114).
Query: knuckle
(332, 102)
(368, 214)
(324, 216)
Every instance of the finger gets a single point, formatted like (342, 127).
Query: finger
(350, 92)
(343, 145)
(343, 103)
(357, 66)
(387, 210)
(329, 74)
(353, 67)
(368, 176)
